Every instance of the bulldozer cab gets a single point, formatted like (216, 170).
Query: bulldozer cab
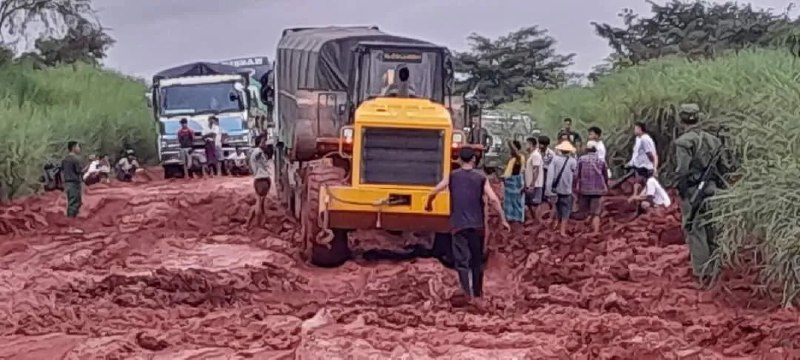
(399, 69)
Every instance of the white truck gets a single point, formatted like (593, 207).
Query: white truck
(196, 92)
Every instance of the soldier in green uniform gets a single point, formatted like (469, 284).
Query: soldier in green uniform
(71, 171)
(695, 149)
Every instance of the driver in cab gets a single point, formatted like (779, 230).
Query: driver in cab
(403, 88)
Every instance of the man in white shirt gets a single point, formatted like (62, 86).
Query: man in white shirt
(236, 163)
(644, 160)
(261, 165)
(215, 133)
(653, 195)
(127, 166)
(534, 177)
(98, 171)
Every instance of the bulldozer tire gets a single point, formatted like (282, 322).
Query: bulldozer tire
(323, 247)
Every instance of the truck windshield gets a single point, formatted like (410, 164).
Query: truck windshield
(383, 69)
(199, 98)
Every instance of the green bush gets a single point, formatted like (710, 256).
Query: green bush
(40, 110)
(756, 95)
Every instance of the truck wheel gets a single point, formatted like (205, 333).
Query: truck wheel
(323, 247)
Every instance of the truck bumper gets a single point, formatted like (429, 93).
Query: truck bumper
(343, 207)
(171, 158)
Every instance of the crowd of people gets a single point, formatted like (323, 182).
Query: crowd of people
(574, 176)
(209, 160)
(540, 176)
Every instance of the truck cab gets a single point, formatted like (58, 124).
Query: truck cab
(196, 92)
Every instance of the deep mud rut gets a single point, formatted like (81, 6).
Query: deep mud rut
(166, 270)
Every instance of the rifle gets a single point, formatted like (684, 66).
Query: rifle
(698, 197)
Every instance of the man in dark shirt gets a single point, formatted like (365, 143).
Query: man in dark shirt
(71, 171)
(468, 187)
(570, 134)
(186, 140)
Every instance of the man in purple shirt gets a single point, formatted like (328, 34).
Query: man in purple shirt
(592, 179)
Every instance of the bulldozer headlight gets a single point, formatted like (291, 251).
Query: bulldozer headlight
(347, 135)
(458, 138)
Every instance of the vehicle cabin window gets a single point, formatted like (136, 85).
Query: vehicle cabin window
(383, 67)
(199, 99)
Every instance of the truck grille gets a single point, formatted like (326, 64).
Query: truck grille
(402, 156)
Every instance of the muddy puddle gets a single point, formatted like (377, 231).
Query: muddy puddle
(167, 270)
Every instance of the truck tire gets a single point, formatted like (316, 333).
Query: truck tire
(323, 247)
(305, 140)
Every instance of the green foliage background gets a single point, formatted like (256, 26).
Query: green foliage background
(755, 95)
(40, 110)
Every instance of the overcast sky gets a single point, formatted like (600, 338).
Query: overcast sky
(155, 34)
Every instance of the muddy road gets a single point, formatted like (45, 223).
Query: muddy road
(167, 270)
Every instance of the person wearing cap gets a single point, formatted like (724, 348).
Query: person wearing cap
(644, 160)
(592, 183)
(514, 184)
(261, 166)
(695, 150)
(561, 175)
(468, 188)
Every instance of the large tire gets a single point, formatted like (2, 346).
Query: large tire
(323, 247)
(304, 144)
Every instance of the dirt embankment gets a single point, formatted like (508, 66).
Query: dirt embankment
(166, 270)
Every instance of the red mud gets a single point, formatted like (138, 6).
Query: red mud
(166, 270)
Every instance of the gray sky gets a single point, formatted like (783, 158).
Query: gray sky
(155, 34)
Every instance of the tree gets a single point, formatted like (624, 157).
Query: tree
(53, 16)
(6, 54)
(695, 29)
(502, 69)
(84, 42)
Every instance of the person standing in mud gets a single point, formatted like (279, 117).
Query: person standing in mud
(468, 187)
(534, 178)
(644, 160)
(71, 172)
(261, 167)
(695, 151)
(562, 174)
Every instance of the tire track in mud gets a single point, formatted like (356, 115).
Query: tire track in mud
(166, 270)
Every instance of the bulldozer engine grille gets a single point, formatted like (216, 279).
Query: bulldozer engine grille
(402, 156)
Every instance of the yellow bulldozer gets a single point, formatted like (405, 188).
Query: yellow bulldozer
(365, 129)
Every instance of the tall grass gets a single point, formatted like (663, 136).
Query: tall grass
(40, 110)
(756, 95)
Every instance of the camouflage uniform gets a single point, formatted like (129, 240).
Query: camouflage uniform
(694, 150)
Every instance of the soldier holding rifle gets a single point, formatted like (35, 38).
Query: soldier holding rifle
(700, 164)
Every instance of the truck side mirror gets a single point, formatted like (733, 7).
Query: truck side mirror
(149, 99)
(342, 109)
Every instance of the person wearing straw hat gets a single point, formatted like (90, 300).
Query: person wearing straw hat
(561, 175)
(592, 180)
